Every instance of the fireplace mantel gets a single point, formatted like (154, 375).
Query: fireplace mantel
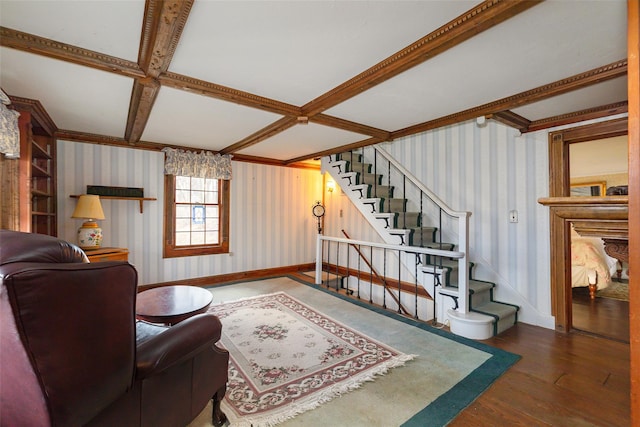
(604, 217)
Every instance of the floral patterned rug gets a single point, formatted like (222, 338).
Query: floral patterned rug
(288, 358)
(615, 290)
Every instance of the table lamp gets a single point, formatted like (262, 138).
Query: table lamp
(89, 208)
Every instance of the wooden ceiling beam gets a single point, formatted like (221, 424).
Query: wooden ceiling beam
(164, 21)
(65, 52)
(579, 116)
(335, 122)
(512, 119)
(578, 81)
(341, 149)
(72, 135)
(482, 17)
(201, 87)
(162, 27)
(143, 96)
(267, 132)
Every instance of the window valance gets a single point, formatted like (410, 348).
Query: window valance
(9, 130)
(202, 165)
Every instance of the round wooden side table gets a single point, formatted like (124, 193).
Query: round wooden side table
(172, 304)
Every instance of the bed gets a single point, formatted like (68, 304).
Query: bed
(590, 265)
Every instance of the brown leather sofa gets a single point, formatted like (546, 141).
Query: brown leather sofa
(68, 352)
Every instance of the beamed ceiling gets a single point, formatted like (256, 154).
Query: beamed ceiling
(283, 82)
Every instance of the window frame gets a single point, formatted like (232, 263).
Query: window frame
(170, 250)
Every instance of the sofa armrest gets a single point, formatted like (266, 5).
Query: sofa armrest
(178, 343)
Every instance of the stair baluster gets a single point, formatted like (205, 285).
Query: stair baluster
(448, 274)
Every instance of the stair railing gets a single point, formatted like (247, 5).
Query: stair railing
(326, 261)
(459, 219)
(385, 283)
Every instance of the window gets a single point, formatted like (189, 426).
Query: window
(196, 216)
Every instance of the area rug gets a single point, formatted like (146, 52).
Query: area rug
(287, 358)
(615, 290)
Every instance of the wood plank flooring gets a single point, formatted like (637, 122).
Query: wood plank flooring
(561, 380)
(601, 316)
(574, 379)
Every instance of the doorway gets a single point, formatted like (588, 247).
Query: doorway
(599, 282)
(577, 212)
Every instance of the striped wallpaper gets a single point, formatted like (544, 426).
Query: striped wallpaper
(491, 171)
(488, 171)
(271, 222)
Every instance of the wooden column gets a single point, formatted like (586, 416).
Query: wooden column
(24, 184)
(633, 87)
(9, 201)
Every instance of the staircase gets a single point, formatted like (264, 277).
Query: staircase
(404, 212)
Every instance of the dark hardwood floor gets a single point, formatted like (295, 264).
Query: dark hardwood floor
(562, 380)
(601, 316)
(575, 379)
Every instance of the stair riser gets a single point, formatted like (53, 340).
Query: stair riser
(394, 205)
(506, 323)
(382, 191)
(408, 221)
(422, 238)
(360, 167)
(351, 157)
(370, 179)
(479, 298)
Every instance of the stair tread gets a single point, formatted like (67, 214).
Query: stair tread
(496, 308)
(474, 285)
(383, 215)
(478, 285)
(471, 316)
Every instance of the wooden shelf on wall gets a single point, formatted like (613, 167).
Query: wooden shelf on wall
(140, 199)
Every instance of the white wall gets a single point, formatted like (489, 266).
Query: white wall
(271, 222)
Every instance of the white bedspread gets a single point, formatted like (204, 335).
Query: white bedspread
(588, 256)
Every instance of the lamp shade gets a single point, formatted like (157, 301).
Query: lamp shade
(88, 207)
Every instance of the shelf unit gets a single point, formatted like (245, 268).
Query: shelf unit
(37, 170)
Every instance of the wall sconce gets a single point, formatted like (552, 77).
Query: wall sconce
(331, 185)
(89, 208)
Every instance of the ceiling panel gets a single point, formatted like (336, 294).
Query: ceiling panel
(301, 140)
(295, 51)
(181, 118)
(608, 92)
(77, 98)
(111, 27)
(546, 43)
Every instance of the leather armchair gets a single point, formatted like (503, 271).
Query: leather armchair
(68, 351)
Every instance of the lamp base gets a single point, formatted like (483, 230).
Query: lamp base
(89, 235)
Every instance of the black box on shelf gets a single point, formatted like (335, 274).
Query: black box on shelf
(101, 190)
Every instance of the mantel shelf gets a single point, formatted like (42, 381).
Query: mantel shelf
(140, 199)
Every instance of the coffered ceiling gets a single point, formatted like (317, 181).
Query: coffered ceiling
(286, 81)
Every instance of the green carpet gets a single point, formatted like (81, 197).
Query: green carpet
(448, 373)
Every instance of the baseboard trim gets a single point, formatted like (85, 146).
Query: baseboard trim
(231, 277)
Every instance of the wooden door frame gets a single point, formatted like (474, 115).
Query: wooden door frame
(633, 90)
(562, 216)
